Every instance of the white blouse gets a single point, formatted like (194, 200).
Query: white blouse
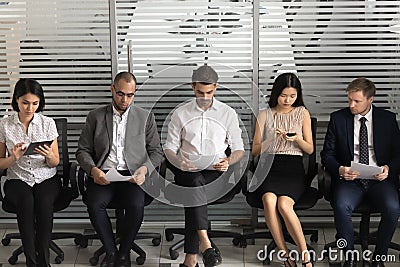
(31, 169)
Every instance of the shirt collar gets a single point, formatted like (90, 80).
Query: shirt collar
(368, 116)
(34, 120)
(124, 115)
(214, 106)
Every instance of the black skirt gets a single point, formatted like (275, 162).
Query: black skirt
(286, 177)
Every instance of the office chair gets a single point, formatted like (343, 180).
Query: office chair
(308, 200)
(235, 189)
(119, 213)
(363, 237)
(69, 191)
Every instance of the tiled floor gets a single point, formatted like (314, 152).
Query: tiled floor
(159, 256)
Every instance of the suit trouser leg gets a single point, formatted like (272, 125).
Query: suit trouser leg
(196, 218)
(384, 196)
(131, 197)
(347, 195)
(45, 195)
(98, 198)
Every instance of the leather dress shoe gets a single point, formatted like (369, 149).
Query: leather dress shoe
(377, 264)
(211, 257)
(108, 260)
(123, 260)
(184, 265)
(350, 263)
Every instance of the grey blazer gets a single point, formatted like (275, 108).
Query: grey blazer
(142, 143)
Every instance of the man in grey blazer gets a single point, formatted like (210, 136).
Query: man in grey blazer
(124, 137)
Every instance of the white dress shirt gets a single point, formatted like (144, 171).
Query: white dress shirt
(32, 169)
(368, 123)
(193, 131)
(116, 157)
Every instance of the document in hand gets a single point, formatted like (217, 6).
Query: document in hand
(114, 176)
(366, 171)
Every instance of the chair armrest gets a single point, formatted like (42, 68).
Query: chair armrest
(72, 179)
(324, 183)
(2, 174)
(81, 181)
(163, 168)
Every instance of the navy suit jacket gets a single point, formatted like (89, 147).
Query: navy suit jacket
(338, 147)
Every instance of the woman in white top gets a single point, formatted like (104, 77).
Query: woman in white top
(32, 184)
(284, 131)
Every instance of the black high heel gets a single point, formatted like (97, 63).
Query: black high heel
(304, 264)
(287, 262)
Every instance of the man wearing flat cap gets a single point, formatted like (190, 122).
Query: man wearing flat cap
(202, 128)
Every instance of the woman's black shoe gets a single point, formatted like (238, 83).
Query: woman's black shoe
(183, 265)
(211, 257)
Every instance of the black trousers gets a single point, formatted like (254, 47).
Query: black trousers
(196, 218)
(131, 198)
(34, 208)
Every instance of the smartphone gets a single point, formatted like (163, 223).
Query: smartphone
(31, 148)
(290, 134)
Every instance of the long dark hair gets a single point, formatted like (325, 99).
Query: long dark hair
(283, 81)
(25, 86)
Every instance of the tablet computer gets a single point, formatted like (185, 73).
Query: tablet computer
(202, 161)
(31, 148)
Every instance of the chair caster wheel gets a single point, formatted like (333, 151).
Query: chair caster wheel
(314, 238)
(140, 260)
(6, 241)
(12, 260)
(59, 259)
(156, 241)
(93, 261)
(169, 237)
(173, 254)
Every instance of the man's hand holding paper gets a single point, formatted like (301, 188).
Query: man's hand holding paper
(368, 171)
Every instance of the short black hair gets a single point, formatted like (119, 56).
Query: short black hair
(126, 76)
(25, 86)
(283, 81)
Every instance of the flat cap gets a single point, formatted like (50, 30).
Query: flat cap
(205, 74)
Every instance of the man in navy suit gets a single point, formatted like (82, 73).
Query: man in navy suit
(342, 145)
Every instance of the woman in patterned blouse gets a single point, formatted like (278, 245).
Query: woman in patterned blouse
(32, 184)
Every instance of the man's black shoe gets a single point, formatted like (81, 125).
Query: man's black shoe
(123, 260)
(350, 263)
(211, 257)
(377, 264)
(108, 260)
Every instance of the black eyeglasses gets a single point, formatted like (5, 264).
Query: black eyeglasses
(121, 94)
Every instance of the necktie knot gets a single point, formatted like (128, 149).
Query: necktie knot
(363, 119)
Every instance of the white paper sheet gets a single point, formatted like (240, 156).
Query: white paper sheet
(366, 171)
(114, 176)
